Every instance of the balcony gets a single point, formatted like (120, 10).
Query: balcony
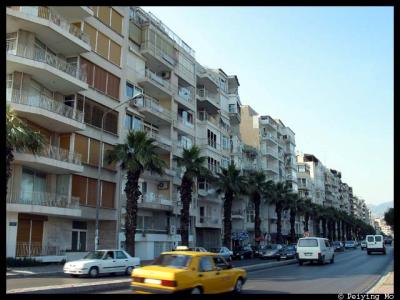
(155, 85)
(46, 112)
(184, 125)
(185, 96)
(155, 201)
(51, 159)
(238, 214)
(208, 101)
(206, 78)
(49, 70)
(75, 13)
(267, 121)
(48, 25)
(154, 112)
(208, 222)
(234, 113)
(155, 56)
(161, 141)
(269, 152)
(269, 138)
(43, 203)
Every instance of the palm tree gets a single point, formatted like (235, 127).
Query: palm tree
(193, 165)
(295, 204)
(232, 184)
(277, 196)
(307, 211)
(19, 137)
(135, 156)
(317, 212)
(255, 184)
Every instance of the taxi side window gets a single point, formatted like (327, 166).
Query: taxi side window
(206, 264)
(220, 262)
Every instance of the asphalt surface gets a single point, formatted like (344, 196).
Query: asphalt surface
(61, 279)
(352, 272)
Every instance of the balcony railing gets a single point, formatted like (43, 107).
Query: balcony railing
(60, 154)
(159, 138)
(206, 94)
(154, 198)
(209, 221)
(41, 55)
(147, 45)
(270, 152)
(36, 249)
(55, 18)
(158, 79)
(270, 137)
(185, 122)
(43, 199)
(151, 104)
(237, 212)
(44, 102)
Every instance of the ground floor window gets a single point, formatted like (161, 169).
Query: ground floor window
(79, 234)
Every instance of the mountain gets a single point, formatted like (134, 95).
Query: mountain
(378, 210)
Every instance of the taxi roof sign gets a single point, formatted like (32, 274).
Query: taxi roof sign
(182, 248)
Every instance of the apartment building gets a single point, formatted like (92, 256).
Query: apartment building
(63, 72)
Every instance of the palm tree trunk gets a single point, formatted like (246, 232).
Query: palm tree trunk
(186, 197)
(306, 220)
(278, 211)
(334, 231)
(323, 227)
(9, 159)
(317, 226)
(292, 226)
(338, 229)
(257, 219)
(343, 231)
(228, 220)
(132, 195)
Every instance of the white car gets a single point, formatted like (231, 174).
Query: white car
(314, 249)
(375, 244)
(102, 261)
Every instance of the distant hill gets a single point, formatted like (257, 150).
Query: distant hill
(378, 210)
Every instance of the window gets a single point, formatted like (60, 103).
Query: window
(144, 187)
(128, 121)
(109, 16)
(224, 162)
(33, 186)
(301, 168)
(220, 262)
(79, 232)
(308, 243)
(327, 245)
(225, 142)
(185, 141)
(132, 90)
(250, 213)
(206, 264)
(120, 255)
(212, 139)
(213, 165)
(222, 84)
(133, 123)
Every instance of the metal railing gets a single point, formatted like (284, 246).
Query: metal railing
(26, 249)
(185, 122)
(60, 154)
(44, 102)
(158, 79)
(43, 199)
(203, 93)
(159, 138)
(41, 55)
(267, 121)
(154, 198)
(147, 45)
(270, 137)
(151, 104)
(209, 221)
(55, 18)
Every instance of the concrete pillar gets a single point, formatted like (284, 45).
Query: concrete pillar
(11, 229)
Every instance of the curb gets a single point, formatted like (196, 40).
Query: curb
(380, 282)
(19, 275)
(117, 284)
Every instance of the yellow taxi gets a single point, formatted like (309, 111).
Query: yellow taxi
(191, 272)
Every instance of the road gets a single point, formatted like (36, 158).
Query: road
(353, 272)
(61, 279)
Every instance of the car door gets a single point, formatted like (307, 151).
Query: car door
(225, 276)
(108, 263)
(122, 261)
(329, 250)
(209, 275)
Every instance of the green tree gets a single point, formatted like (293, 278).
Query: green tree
(136, 155)
(193, 165)
(19, 137)
(295, 204)
(389, 217)
(307, 211)
(231, 184)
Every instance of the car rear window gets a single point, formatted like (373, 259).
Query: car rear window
(308, 243)
(378, 238)
(370, 239)
(178, 261)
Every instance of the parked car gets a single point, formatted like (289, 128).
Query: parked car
(272, 251)
(388, 240)
(350, 245)
(314, 249)
(188, 271)
(338, 246)
(258, 249)
(102, 261)
(363, 244)
(288, 252)
(375, 244)
(243, 252)
(223, 251)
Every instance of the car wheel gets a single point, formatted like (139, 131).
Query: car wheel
(196, 290)
(384, 252)
(300, 262)
(94, 272)
(368, 252)
(332, 259)
(322, 261)
(278, 258)
(238, 286)
(128, 270)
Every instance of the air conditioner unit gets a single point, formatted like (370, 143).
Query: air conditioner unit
(172, 229)
(163, 185)
(166, 75)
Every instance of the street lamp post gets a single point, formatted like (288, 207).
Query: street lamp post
(96, 238)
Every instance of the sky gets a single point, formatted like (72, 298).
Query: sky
(326, 72)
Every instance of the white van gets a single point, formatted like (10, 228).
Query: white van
(375, 244)
(314, 249)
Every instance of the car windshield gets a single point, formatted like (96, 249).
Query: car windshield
(274, 246)
(308, 243)
(349, 242)
(94, 255)
(178, 261)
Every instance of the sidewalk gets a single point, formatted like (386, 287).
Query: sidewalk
(384, 286)
(44, 270)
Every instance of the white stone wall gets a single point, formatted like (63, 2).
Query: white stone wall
(11, 236)
(57, 232)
